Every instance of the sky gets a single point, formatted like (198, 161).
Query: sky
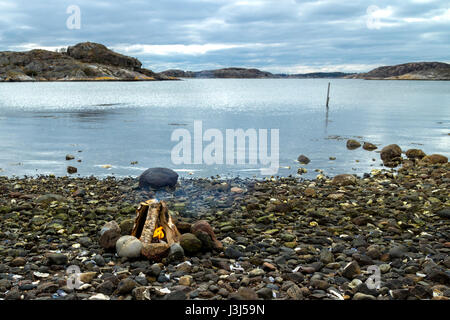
(280, 36)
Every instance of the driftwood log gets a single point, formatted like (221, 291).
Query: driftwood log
(154, 227)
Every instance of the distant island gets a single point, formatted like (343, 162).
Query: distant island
(249, 74)
(90, 61)
(408, 71)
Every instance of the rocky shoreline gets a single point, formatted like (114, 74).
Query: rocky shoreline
(283, 238)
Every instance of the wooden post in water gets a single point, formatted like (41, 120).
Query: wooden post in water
(328, 94)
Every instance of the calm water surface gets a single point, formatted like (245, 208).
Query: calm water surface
(116, 123)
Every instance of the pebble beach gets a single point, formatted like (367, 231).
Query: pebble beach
(282, 238)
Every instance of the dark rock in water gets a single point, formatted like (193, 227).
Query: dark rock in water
(71, 170)
(369, 146)
(415, 154)
(444, 213)
(190, 243)
(353, 144)
(158, 178)
(109, 235)
(69, 157)
(391, 154)
(303, 159)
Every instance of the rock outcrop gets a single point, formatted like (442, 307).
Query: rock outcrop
(85, 61)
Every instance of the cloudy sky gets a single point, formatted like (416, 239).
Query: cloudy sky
(291, 36)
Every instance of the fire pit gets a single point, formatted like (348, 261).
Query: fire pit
(154, 227)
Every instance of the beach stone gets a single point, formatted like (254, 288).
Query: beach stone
(435, 159)
(444, 213)
(87, 277)
(351, 270)
(155, 251)
(415, 154)
(353, 144)
(47, 198)
(158, 178)
(344, 180)
(186, 280)
(126, 226)
(129, 247)
(18, 262)
(126, 286)
(391, 153)
(369, 146)
(233, 252)
(69, 157)
(203, 230)
(326, 256)
(176, 253)
(190, 243)
(265, 293)
(106, 287)
(247, 293)
(99, 296)
(57, 259)
(295, 293)
(397, 252)
(109, 235)
(362, 296)
(303, 159)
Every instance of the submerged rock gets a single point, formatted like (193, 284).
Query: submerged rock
(369, 146)
(303, 159)
(353, 144)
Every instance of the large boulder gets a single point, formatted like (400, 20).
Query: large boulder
(158, 178)
(435, 159)
(415, 154)
(391, 154)
(90, 52)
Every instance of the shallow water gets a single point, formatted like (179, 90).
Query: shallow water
(116, 123)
